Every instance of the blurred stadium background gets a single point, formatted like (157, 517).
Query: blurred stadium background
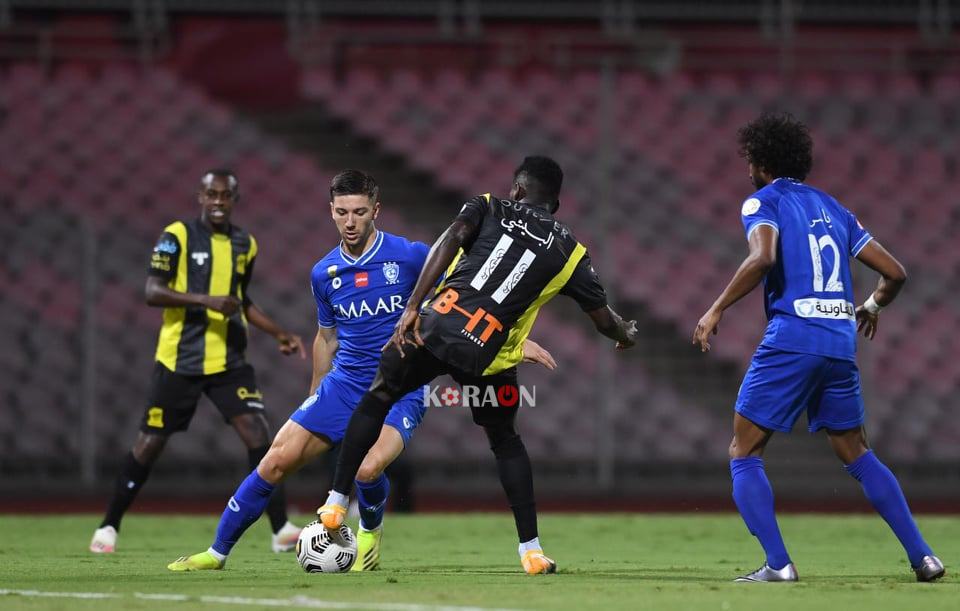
(111, 110)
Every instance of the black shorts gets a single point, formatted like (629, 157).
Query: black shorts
(173, 397)
(397, 376)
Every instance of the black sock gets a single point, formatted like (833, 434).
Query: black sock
(362, 432)
(516, 477)
(277, 505)
(131, 479)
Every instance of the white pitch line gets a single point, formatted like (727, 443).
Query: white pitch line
(35, 593)
(171, 597)
(303, 602)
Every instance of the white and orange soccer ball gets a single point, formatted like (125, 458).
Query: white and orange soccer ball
(320, 552)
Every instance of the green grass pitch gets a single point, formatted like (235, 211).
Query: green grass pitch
(434, 561)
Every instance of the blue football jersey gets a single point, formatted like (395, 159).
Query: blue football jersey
(808, 295)
(364, 297)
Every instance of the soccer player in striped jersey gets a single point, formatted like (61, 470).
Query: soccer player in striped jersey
(200, 275)
(504, 259)
(801, 241)
(360, 288)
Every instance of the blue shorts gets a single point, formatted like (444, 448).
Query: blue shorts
(780, 385)
(328, 411)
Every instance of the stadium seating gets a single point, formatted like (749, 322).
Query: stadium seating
(97, 162)
(885, 146)
(95, 169)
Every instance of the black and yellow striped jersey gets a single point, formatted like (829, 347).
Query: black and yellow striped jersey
(519, 259)
(193, 259)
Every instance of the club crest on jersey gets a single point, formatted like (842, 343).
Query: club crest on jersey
(361, 279)
(391, 271)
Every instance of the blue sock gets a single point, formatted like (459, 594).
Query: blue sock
(754, 498)
(372, 499)
(243, 509)
(881, 488)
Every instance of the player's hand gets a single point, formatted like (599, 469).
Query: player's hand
(291, 344)
(535, 353)
(867, 323)
(227, 305)
(709, 323)
(409, 323)
(631, 340)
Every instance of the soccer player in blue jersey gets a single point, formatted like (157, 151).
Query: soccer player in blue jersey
(504, 259)
(361, 289)
(800, 241)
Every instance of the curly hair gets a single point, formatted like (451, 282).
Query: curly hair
(778, 144)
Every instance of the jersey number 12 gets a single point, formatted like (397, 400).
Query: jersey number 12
(834, 285)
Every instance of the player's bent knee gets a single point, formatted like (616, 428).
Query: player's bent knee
(382, 395)
(253, 430)
(848, 445)
(370, 470)
(148, 447)
(737, 451)
(734, 451)
(275, 466)
(505, 443)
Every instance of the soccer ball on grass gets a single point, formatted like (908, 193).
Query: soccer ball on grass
(320, 552)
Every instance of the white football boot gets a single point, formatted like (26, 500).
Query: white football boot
(104, 540)
(930, 569)
(285, 539)
(767, 574)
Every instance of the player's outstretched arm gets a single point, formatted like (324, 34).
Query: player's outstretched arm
(324, 348)
(892, 278)
(762, 257)
(612, 325)
(159, 295)
(438, 260)
(288, 343)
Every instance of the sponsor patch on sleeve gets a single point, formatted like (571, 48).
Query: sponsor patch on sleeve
(750, 206)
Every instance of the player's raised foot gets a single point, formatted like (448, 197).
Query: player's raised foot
(104, 540)
(930, 569)
(535, 563)
(285, 539)
(332, 516)
(204, 561)
(767, 574)
(368, 549)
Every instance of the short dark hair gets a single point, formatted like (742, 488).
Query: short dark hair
(541, 177)
(354, 182)
(222, 173)
(778, 144)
